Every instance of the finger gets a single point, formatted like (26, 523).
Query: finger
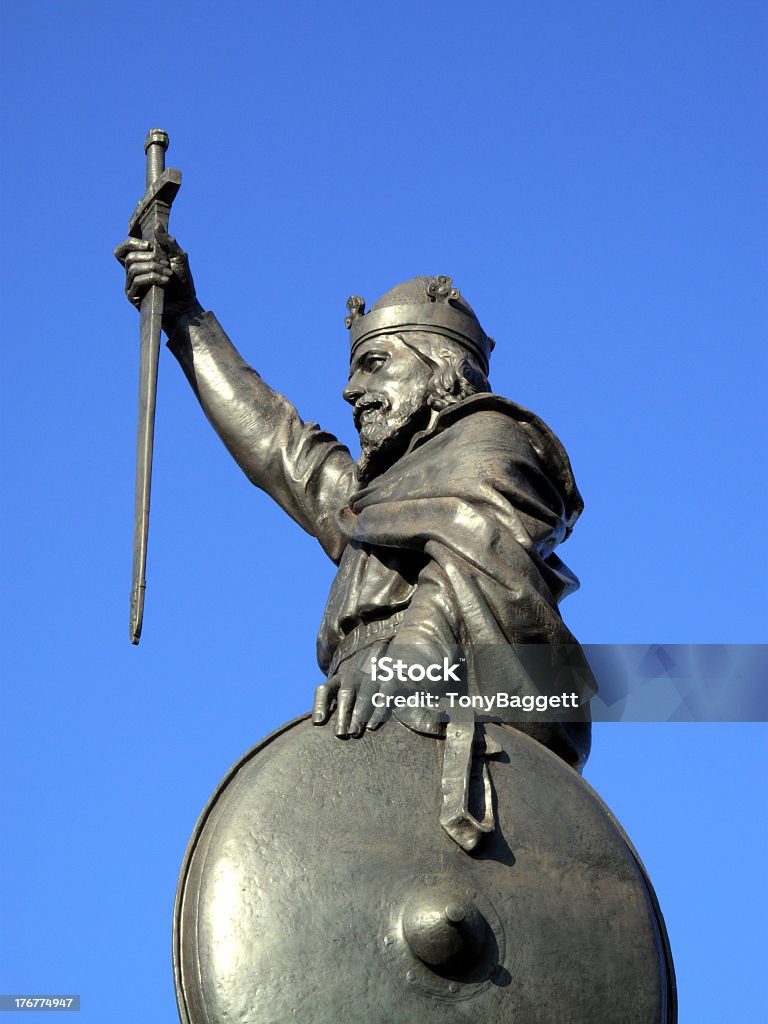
(137, 269)
(323, 696)
(379, 716)
(141, 286)
(130, 245)
(145, 257)
(144, 281)
(143, 277)
(344, 705)
(359, 717)
(168, 243)
(322, 700)
(362, 712)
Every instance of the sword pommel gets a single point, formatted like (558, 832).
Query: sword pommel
(155, 146)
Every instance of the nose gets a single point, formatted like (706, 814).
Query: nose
(353, 390)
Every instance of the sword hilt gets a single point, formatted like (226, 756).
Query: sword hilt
(162, 185)
(155, 146)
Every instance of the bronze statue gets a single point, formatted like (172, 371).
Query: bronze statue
(444, 533)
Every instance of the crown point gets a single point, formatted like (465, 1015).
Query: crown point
(439, 289)
(356, 307)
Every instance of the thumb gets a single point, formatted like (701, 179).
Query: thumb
(168, 243)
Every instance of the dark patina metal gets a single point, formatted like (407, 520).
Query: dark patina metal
(423, 304)
(149, 219)
(438, 868)
(316, 888)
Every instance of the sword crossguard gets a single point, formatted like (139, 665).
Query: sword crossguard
(163, 191)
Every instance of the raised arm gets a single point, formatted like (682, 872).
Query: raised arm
(306, 470)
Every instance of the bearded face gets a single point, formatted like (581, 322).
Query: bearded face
(388, 392)
(385, 430)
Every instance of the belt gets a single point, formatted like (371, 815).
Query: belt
(363, 636)
(465, 752)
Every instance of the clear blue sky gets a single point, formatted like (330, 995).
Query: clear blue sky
(592, 176)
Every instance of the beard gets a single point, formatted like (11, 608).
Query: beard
(386, 432)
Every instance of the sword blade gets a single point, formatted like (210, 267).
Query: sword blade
(151, 320)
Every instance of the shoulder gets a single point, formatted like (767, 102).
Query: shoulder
(497, 420)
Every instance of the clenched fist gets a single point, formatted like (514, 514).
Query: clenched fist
(164, 264)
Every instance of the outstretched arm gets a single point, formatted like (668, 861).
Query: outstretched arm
(306, 470)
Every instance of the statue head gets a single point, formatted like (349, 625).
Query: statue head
(419, 349)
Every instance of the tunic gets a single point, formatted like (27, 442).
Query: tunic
(452, 547)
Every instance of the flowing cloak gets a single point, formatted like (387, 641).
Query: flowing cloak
(452, 546)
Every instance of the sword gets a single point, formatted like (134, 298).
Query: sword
(150, 215)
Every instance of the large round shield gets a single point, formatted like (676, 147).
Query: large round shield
(319, 887)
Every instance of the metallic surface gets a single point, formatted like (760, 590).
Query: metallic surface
(319, 885)
(408, 537)
(421, 304)
(317, 888)
(149, 217)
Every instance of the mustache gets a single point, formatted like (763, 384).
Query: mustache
(370, 401)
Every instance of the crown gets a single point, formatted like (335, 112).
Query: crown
(421, 304)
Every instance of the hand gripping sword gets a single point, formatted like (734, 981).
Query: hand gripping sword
(149, 217)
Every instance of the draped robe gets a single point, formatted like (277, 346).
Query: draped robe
(452, 545)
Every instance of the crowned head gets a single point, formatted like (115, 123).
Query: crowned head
(420, 349)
